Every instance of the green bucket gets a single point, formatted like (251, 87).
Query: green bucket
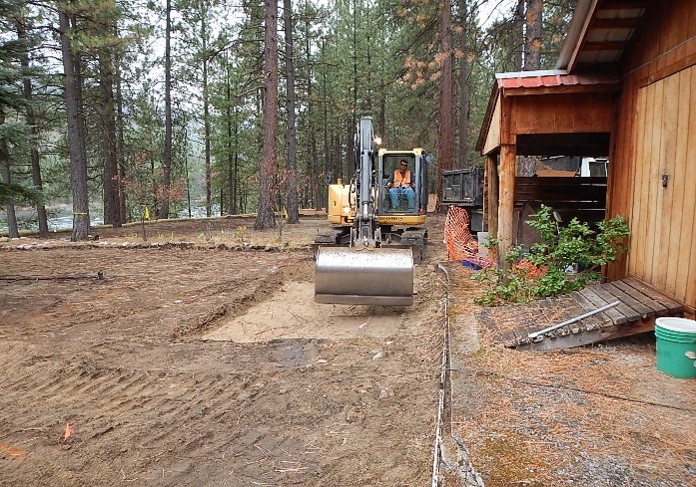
(676, 337)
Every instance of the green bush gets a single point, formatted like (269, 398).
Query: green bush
(562, 248)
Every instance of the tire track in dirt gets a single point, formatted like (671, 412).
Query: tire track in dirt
(151, 404)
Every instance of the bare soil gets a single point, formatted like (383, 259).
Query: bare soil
(198, 357)
(192, 365)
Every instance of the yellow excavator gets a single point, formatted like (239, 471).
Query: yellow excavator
(368, 254)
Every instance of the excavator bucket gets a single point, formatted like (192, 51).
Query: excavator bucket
(374, 276)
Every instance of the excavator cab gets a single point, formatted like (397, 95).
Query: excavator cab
(397, 200)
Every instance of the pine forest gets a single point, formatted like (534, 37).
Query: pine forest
(118, 109)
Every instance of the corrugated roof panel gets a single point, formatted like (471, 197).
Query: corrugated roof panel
(619, 13)
(531, 82)
(551, 80)
(611, 35)
(598, 57)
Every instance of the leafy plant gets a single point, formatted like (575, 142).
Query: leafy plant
(567, 259)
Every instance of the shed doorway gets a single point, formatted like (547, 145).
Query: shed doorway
(664, 201)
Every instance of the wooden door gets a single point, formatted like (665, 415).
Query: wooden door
(662, 248)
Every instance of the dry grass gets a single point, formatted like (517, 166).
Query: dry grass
(593, 416)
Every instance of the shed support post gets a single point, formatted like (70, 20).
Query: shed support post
(506, 205)
(490, 205)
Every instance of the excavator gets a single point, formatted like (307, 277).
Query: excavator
(368, 254)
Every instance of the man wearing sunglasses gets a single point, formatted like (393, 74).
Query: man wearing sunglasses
(401, 182)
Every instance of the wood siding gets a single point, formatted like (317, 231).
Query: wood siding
(493, 135)
(656, 136)
(557, 114)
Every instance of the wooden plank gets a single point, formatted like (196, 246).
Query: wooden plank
(622, 169)
(506, 177)
(595, 320)
(686, 275)
(493, 136)
(669, 303)
(613, 314)
(623, 308)
(595, 336)
(654, 187)
(668, 153)
(640, 212)
(656, 307)
(578, 206)
(556, 180)
(563, 193)
(563, 113)
(643, 310)
(492, 175)
(677, 182)
(636, 253)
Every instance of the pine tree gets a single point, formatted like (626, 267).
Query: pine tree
(265, 216)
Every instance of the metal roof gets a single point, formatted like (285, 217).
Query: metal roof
(556, 78)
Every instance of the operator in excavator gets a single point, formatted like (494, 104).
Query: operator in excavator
(401, 182)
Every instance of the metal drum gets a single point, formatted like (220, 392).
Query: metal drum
(375, 276)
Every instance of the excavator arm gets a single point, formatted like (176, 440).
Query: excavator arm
(365, 272)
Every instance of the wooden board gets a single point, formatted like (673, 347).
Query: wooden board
(594, 336)
(661, 250)
(639, 306)
(654, 307)
(668, 303)
(601, 299)
(626, 298)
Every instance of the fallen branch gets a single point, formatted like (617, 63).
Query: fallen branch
(98, 276)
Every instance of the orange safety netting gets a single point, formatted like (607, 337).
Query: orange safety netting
(461, 244)
(530, 270)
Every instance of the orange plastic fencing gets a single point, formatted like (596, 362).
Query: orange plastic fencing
(461, 244)
(530, 270)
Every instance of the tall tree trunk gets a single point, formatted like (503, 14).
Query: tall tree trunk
(518, 38)
(329, 175)
(464, 87)
(12, 229)
(167, 162)
(532, 38)
(112, 210)
(313, 171)
(265, 217)
(526, 165)
(76, 141)
(292, 199)
(351, 155)
(79, 83)
(123, 210)
(206, 118)
(33, 129)
(444, 142)
(231, 148)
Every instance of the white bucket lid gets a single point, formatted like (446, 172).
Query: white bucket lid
(676, 324)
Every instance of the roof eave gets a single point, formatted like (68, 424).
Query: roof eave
(578, 26)
(486, 125)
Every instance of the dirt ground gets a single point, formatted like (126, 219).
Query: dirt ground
(199, 358)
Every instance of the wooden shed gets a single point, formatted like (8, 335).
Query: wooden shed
(624, 87)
